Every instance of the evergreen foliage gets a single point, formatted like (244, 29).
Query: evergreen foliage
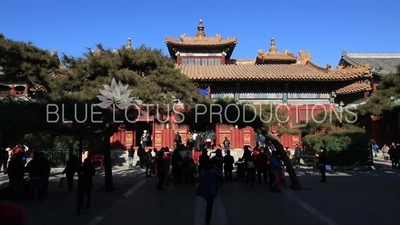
(340, 132)
(73, 83)
(23, 60)
(386, 98)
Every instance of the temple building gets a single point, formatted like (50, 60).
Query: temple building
(273, 76)
(384, 128)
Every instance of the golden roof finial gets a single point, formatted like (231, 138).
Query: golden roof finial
(129, 44)
(272, 47)
(200, 30)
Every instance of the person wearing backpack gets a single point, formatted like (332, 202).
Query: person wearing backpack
(227, 145)
(250, 167)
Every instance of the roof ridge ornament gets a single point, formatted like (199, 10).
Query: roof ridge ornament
(305, 56)
(328, 66)
(182, 37)
(272, 48)
(200, 30)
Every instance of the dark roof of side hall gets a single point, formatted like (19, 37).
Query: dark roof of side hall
(381, 63)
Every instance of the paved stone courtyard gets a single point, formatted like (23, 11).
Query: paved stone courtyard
(348, 198)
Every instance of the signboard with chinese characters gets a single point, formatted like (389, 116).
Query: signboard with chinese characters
(223, 95)
(260, 95)
(309, 95)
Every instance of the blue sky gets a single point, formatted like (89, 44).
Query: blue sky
(326, 28)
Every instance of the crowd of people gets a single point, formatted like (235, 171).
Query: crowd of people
(210, 167)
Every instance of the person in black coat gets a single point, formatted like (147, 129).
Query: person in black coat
(219, 161)
(141, 154)
(131, 155)
(297, 156)
(177, 166)
(88, 172)
(46, 175)
(250, 167)
(203, 160)
(3, 159)
(228, 165)
(70, 170)
(16, 171)
(321, 163)
(161, 169)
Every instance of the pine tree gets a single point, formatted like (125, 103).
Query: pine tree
(386, 98)
(151, 77)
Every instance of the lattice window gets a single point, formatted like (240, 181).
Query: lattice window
(293, 117)
(303, 115)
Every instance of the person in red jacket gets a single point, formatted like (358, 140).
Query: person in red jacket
(196, 156)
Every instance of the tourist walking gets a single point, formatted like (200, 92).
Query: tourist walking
(227, 144)
(261, 163)
(147, 161)
(189, 168)
(250, 167)
(71, 168)
(297, 156)
(88, 172)
(36, 170)
(161, 170)
(228, 166)
(375, 149)
(177, 167)
(322, 163)
(141, 152)
(46, 175)
(203, 160)
(16, 171)
(131, 155)
(385, 153)
(209, 177)
(177, 140)
(275, 167)
(3, 159)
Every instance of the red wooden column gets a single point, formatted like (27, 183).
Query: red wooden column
(237, 139)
